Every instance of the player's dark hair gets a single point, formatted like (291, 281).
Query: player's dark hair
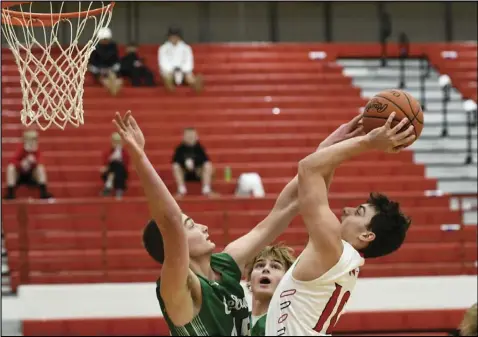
(153, 241)
(390, 226)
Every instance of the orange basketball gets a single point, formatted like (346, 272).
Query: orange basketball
(379, 108)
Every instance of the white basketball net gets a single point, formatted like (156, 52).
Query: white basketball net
(51, 74)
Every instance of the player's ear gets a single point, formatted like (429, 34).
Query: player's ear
(367, 236)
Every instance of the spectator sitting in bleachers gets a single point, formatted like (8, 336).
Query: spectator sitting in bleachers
(114, 173)
(104, 62)
(176, 62)
(25, 168)
(133, 68)
(191, 163)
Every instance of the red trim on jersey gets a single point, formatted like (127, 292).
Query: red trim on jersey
(329, 308)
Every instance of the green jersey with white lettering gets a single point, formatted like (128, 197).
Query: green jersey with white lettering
(259, 325)
(224, 310)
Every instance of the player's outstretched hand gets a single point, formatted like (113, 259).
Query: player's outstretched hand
(129, 131)
(391, 140)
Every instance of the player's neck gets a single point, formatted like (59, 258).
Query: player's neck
(259, 307)
(202, 266)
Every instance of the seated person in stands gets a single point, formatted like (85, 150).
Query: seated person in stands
(191, 163)
(104, 62)
(25, 168)
(133, 68)
(114, 173)
(176, 62)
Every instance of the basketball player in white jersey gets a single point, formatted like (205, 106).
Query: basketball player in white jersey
(312, 294)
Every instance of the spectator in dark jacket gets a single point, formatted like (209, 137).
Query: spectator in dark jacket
(133, 68)
(105, 62)
(191, 163)
(114, 173)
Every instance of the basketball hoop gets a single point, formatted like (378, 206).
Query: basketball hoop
(51, 74)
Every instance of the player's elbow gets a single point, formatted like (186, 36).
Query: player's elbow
(307, 168)
(303, 168)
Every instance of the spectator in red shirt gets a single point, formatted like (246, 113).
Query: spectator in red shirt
(25, 168)
(114, 173)
(191, 163)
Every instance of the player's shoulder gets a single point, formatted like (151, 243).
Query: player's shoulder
(350, 250)
(225, 263)
(348, 261)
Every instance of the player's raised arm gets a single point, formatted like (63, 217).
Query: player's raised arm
(285, 208)
(321, 223)
(175, 273)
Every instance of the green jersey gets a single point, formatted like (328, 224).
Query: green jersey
(224, 310)
(259, 325)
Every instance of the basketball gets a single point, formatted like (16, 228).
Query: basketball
(379, 108)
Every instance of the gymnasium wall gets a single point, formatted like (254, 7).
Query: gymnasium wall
(297, 21)
(292, 21)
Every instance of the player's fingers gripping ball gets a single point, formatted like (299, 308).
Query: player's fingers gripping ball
(379, 108)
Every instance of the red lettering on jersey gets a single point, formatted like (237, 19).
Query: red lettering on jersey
(288, 292)
(333, 321)
(329, 307)
(282, 318)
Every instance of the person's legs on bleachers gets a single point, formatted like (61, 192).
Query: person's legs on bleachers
(168, 80)
(119, 179)
(11, 178)
(206, 173)
(115, 178)
(194, 82)
(40, 178)
(179, 177)
(147, 77)
(35, 177)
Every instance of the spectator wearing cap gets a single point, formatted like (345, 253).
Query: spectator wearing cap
(26, 168)
(114, 172)
(104, 62)
(176, 62)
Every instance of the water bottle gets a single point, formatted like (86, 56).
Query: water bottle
(227, 174)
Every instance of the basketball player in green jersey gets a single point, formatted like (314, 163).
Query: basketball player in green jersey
(264, 274)
(200, 292)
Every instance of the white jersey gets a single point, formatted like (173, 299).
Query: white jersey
(312, 308)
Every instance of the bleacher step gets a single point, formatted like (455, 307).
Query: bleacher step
(454, 171)
(438, 144)
(443, 157)
(458, 185)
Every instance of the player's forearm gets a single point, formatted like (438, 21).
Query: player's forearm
(327, 159)
(289, 194)
(161, 203)
(329, 176)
